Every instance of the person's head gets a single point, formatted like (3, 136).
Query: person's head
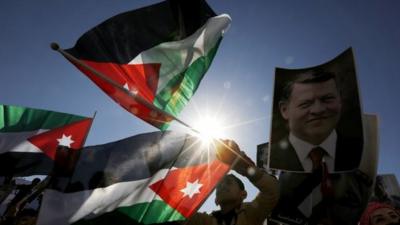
(311, 105)
(230, 191)
(378, 213)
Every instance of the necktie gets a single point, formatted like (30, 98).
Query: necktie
(316, 156)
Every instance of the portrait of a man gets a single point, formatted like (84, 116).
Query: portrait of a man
(317, 144)
(317, 117)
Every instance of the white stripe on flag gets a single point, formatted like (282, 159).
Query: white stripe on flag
(176, 56)
(17, 142)
(65, 208)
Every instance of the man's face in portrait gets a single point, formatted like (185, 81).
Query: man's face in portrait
(312, 110)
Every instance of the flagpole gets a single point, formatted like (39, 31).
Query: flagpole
(138, 98)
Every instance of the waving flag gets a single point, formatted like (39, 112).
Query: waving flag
(145, 179)
(29, 138)
(158, 54)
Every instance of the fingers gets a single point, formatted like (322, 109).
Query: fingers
(227, 151)
(231, 145)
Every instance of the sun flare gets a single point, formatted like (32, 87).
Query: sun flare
(209, 128)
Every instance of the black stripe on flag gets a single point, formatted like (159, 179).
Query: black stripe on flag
(135, 158)
(122, 37)
(25, 164)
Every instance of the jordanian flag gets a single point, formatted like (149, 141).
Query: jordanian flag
(156, 55)
(145, 179)
(29, 138)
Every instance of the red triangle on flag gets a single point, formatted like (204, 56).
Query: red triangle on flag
(185, 189)
(72, 135)
(139, 79)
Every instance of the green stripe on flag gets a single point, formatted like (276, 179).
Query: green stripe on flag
(17, 119)
(155, 212)
(181, 88)
(147, 213)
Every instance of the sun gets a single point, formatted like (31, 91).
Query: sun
(209, 128)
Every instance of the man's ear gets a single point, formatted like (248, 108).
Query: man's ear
(283, 108)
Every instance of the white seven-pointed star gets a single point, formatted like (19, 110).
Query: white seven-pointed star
(191, 189)
(133, 91)
(65, 141)
(126, 86)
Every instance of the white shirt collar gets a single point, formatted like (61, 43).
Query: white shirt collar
(303, 149)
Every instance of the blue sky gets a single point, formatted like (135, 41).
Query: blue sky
(263, 35)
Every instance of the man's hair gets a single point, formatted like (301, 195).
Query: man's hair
(237, 180)
(308, 77)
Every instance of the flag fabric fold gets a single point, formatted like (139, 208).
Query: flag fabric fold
(158, 53)
(29, 138)
(145, 179)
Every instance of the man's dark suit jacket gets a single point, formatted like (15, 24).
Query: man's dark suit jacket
(351, 191)
(348, 155)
